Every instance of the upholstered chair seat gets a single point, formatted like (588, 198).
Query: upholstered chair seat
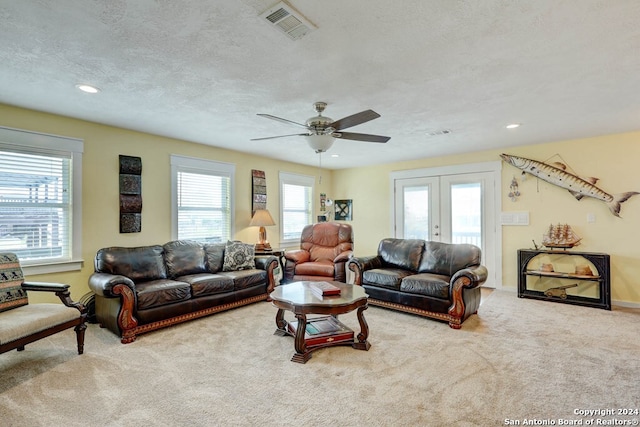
(22, 323)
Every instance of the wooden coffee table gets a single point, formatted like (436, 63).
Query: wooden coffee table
(321, 331)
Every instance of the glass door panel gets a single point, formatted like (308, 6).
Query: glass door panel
(415, 215)
(466, 213)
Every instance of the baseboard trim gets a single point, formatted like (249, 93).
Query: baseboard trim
(614, 303)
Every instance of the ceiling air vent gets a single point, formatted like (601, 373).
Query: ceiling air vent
(288, 20)
(439, 132)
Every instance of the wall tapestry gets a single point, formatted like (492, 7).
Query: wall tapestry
(343, 209)
(258, 191)
(130, 194)
(577, 186)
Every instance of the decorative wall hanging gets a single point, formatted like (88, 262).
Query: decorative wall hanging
(344, 210)
(130, 194)
(258, 191)
(514, 193)
(577, 186)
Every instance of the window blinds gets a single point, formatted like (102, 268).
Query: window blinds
(203, 206)
(296, 204)
(36, 204)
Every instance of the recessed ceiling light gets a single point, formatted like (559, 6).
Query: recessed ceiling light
(335, 155)
(88, 88)
(513, 125)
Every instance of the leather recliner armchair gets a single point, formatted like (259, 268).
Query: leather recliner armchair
(325, 248)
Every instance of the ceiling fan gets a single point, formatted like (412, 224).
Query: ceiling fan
(321, 131)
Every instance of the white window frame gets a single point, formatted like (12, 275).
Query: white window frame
(12, 139)
(209, 167)
(287, 178)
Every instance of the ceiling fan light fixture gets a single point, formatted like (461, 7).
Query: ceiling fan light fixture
(320, 143)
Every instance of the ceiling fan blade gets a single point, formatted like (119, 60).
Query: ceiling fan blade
(280, 119)
(361, 137)
(279, 136)
(356, 119)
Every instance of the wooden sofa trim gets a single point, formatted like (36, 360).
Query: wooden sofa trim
(129, 325)
(455, 315)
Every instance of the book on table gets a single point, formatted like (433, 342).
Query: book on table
(321, 330)
(324, 289)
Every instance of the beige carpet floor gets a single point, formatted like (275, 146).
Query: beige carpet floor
(517, 360)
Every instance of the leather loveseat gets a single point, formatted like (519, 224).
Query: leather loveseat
(141, 289)
(432, 279)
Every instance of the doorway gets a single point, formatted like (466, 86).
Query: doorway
(457, 204)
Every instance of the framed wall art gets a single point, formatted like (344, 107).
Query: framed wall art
(343, 210)
(130, 194)
(258, 190)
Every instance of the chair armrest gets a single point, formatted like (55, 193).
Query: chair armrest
(103, 283)
(61, 290)
(343, 257)
(44, 287)
(297, 256)
(476, 275)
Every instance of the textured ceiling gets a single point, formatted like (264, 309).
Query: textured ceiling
(200, 70)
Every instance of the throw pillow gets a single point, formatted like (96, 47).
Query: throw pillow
(11, 293)
(238, 256)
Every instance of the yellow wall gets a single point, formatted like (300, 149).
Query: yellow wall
(612, 158)
(100, 185)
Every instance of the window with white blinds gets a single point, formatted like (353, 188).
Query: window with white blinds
(40, 206)
(296, 205)
(202, 199)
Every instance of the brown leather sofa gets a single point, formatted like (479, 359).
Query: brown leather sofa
(431, 279)
(325, 248)
(142, 289)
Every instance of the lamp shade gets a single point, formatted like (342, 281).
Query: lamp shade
(261, 218)
(320, 143)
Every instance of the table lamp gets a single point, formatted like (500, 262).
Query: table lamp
(262, 218)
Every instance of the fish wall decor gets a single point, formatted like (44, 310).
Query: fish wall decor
(577, 186)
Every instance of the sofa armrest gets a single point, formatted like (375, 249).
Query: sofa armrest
(463, 301)
(361, 264)
(61, 290)
(476, 275)
(263, 262)
(103, 283)
(269, 263)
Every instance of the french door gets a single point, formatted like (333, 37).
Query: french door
(445, 206)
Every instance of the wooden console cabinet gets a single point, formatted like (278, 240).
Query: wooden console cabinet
(580, 278)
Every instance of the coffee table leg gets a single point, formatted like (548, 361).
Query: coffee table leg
(301, 355)
(281, 324)
(362, 343)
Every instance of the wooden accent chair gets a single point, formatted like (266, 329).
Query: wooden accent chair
(22, 323)
(325, 248)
